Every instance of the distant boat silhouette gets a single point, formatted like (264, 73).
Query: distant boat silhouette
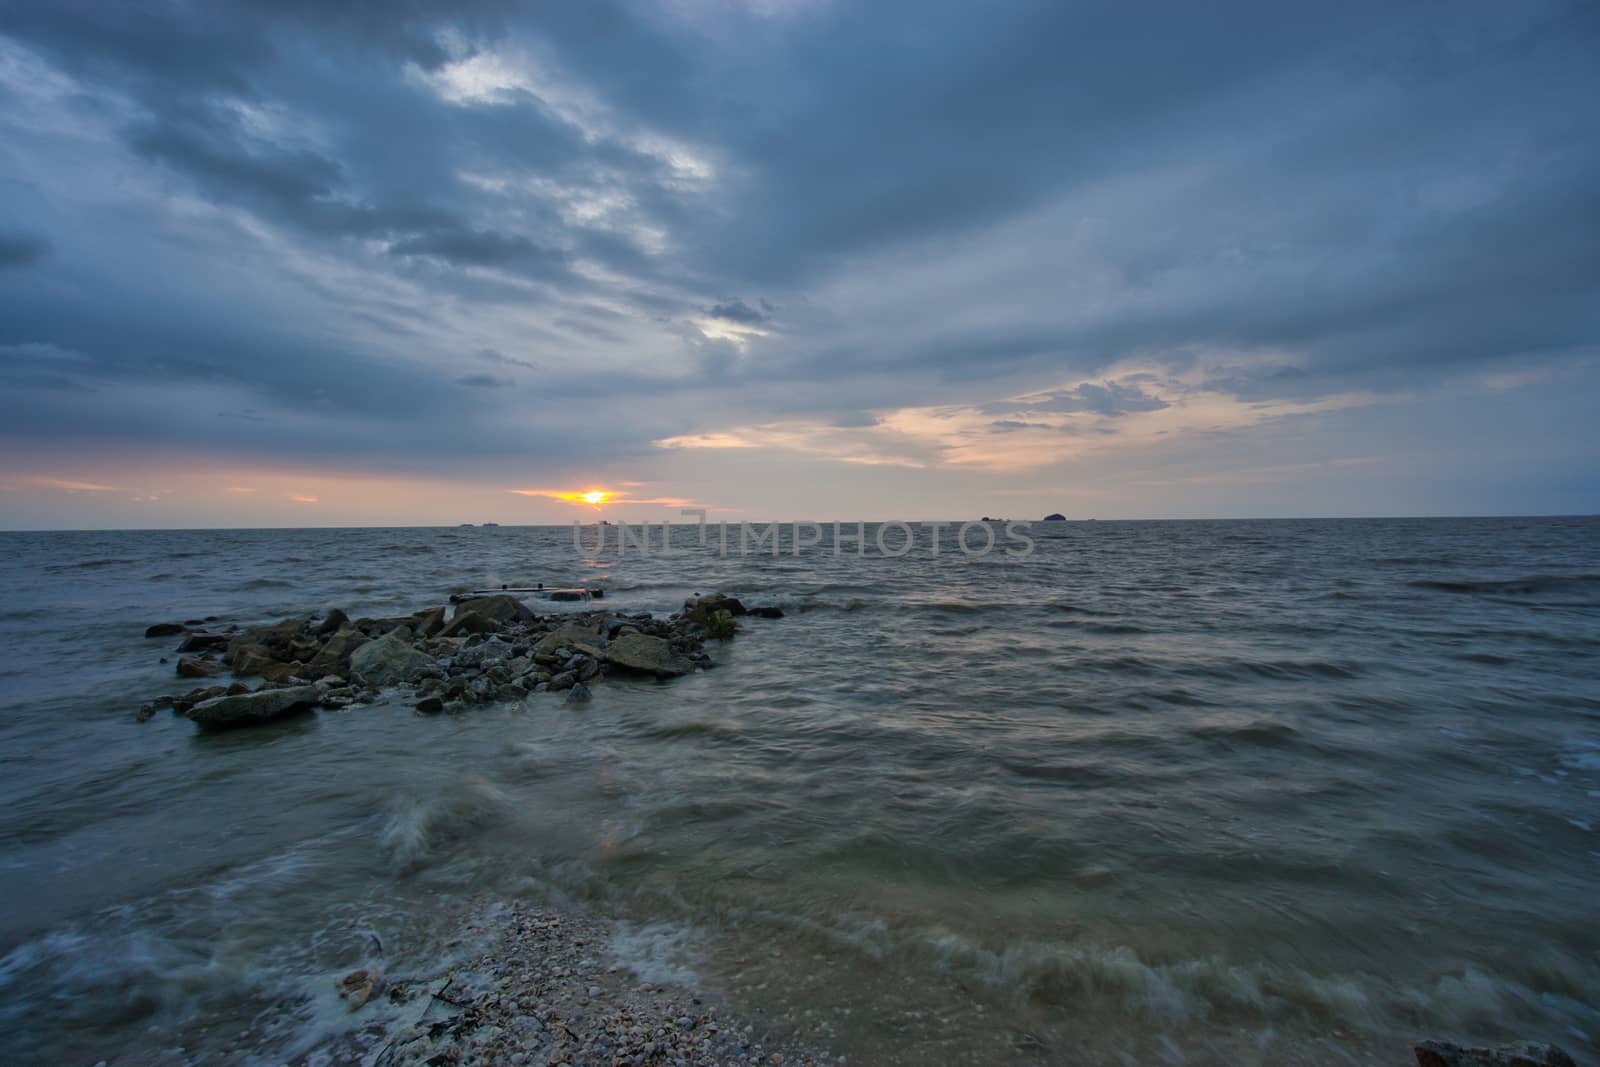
(488, 524)
(1055, 517)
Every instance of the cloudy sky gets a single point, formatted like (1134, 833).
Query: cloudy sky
(295, 263)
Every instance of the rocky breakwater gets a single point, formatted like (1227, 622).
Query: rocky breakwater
(490, 649)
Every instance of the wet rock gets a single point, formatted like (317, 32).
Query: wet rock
(699, 610)
(357, 987)
(428, 622)
(487, 652)
(272, 641)
(334, 655)
(389, 659)
(147, 711)
(250, 660)
(501, 608)
(331, 623)
(189, 667)
(283, 672)
(579, 694)
(564, 680)
(647, 655)
(164, 629)
(582, 636)
(430, 705)
(1528, 1054)
(204, 642)
(222, 712)
(766, 613)
(470, 622)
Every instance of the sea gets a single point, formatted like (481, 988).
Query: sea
(1231, 792)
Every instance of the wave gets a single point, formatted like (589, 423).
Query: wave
(89, 565)
(265, 583)
(1260, 732)
(1533, 585)
(418, 830)
(1277, 670)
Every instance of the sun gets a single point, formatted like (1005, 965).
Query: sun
(595, 496)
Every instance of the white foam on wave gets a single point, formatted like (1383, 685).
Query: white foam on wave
(661, 952)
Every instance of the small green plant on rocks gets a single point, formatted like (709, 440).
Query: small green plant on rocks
(721, 625)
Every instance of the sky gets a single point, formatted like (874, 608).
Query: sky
(305, 264)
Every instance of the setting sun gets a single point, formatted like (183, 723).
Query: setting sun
(595, 497)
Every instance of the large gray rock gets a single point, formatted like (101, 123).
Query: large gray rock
(1528, 1054)
(247, 709)
(336, 651)
(275, 639)
(647, 655)
(488, 652)
(583, 636)
(429, 622)
(389, 659)
(502, 608)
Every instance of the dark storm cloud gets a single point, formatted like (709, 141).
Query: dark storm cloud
(18, 249)
(740, 312)
(951, 205)
(484, 381)
(485, 248)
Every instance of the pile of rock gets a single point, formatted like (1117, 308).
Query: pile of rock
(490, 649)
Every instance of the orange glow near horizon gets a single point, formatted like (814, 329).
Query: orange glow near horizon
(593, 498)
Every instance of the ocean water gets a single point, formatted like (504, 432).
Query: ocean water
(1160, 792)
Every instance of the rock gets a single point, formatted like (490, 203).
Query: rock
(488, 652)
(564, 680)
(204, 642)
(582, 636)
(647, 655)
(357, 987)
(1055, 517)
(579, 694)
(502, 608)
(1528, 1054)
(264, 705)
(333, 622)
(189, 667)
(283, 672)
(767, 613)
(430, 705)
(704, 607)
(429, 622)
(164, 629)
(251, 660)
(275, 639)
(335, 653)
(470, 622)
(389, 659)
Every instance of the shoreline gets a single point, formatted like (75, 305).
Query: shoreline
(546, 985)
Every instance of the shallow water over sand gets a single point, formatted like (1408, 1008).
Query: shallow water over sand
(1293, 791)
